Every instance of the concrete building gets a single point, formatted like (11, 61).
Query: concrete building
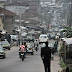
(33, 4)
(16, 6)
(7, 23)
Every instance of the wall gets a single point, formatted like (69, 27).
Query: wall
(1, 24)
(9, 25)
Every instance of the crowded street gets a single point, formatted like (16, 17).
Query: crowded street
(35, 35)
(32, 63)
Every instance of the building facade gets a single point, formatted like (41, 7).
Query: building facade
(7, 20)
(16, 6)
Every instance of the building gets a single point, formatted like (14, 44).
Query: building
(7, 20)
(31, 16)
(17, 6)
(33, 4)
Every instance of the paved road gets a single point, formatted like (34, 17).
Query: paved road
(13, 63)
(32, 63)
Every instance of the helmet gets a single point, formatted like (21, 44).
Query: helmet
(24, 42)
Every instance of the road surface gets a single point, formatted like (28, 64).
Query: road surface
(32, 63)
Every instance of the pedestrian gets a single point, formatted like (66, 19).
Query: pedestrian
(46, 57)
(55, 46)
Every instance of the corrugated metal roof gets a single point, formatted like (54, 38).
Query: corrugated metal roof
(7, 12)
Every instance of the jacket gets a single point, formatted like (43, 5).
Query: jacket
(46, 54)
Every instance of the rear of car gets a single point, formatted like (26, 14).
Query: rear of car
(6, 45)
(31, 38)
(51, 46)
(30, 48)
(52, 36)
(43, 38)
(2, 51)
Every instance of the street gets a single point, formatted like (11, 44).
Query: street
(13, 63)
(32, 63)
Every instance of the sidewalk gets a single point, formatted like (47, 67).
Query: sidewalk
(55, 67)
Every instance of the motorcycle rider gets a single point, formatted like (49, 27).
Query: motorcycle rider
(36, 44)
(25, 48)
(22, 50)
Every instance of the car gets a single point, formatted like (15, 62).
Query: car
(25, 38)
(28, 38)
(51, 46)
(30, 48)
(6, 45)
(31, 38)
(2, 51)
(14, 39)
(52, 36)
(43, 38)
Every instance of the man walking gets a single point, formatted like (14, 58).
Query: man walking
(46, 57)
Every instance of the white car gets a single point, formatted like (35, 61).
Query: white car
(43, 38)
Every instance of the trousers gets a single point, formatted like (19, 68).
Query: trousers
(46, 66)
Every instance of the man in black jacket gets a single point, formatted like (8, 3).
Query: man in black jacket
(46, 57)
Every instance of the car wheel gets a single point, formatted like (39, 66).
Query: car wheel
(8, 48)
(4, 56)
(32, 53)
(17, 45)
(33, 40)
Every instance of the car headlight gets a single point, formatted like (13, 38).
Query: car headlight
(4, 45)
(31, 49)
(2, 52)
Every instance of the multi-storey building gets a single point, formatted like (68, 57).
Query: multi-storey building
(33, 4)
(16, 6)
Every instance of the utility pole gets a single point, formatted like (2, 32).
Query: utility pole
(20, 9)
(71, 15)
(19, 24)
(4, 14)
(19, 18)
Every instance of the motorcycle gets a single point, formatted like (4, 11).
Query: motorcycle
(52, 56)
(36, 48)
(22, 56)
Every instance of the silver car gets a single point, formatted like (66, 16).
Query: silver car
(2, 51)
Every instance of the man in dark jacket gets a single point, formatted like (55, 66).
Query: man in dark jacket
(46, 57)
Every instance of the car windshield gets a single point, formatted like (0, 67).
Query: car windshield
(29, 45)
(43, 37)
(5, 43)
